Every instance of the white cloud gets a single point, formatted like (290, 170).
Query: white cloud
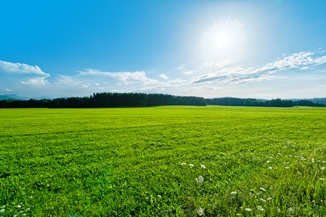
(7, 89)
(35, 81)
(238, 74)
(85, 86)
(125, 77)
(320, 60)
(220, 64)
(164, 76)
(24, 73)
(209, 79)
(67, 80)
(188, 72)
(292, 61)
(181, 67)
(21, 68)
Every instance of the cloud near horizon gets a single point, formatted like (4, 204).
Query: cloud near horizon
(28, 75)
(203, 80)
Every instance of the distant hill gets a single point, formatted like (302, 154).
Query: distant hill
(314, 100)
(16, 97)
(13, 97)
(319, 100)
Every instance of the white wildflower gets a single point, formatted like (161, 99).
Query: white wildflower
(234, 192)
(291, 210)
(263, 189)
(2, 210)
(260, 208)
(191, 165)
(267, 161)
(19, 206)
(261, 199)
(248, 209)
(200, 179)
(203, 166)
(183, 164)
(200, 211)
(270, 168)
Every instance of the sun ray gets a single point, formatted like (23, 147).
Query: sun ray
(222, 39)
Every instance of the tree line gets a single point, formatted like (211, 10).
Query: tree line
(101, 100)
(230, 101)
(109, 100)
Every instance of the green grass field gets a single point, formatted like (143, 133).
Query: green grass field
(163, 161)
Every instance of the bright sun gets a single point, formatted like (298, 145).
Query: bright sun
(224, 39)
(217, 39)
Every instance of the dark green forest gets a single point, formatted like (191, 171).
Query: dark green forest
(111, 100)
(106, 100)
(230, 101)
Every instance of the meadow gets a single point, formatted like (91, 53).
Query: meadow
(163, 161)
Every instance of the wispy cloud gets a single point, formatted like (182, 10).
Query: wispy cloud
(7, 90)
(126, 77)
(220, 64)
(181, 67)
(237, 74)
(208, 79)
(35, 81)
(189, 72)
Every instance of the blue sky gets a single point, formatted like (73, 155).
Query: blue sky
(249, 48)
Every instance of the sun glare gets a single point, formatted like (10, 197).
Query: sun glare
(224, 39)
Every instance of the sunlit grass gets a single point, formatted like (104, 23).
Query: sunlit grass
(163, 161)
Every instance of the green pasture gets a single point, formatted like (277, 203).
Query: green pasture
(163, 161)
